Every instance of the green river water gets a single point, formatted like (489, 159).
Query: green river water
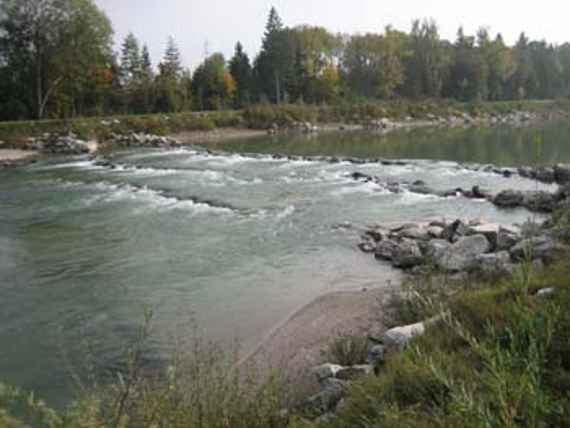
(235, 242)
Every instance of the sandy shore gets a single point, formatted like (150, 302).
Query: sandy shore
(297, 344)
(8, 155)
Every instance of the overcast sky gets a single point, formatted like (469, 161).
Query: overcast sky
(218, 24)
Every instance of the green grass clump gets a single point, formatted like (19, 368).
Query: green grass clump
(499, 357)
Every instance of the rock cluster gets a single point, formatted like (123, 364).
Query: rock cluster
(300, 127)
(459, 246)
(514, 118)
(59, 144)
(334, 380)
(381, 124)
(535, 201)
(559, 174)
(141, 140)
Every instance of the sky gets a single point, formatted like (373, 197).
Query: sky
(201, 26)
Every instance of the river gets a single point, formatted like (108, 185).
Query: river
(233, 242)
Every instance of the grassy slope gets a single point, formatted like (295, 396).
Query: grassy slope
(263, 116)
(500, 359)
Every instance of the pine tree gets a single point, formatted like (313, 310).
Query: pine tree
(172, 63)
(275, 59)
(240, 69)
(131, 64)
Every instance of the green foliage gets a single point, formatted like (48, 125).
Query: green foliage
(498, 358)
(347, 350)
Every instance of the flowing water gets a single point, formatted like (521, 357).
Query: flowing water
(233, 241)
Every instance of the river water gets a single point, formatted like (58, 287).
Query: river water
(234, 242)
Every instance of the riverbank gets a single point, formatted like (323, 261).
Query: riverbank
(292, 117)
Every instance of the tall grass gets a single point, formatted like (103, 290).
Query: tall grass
(202, 387)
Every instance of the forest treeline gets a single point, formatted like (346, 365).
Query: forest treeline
(57, 61)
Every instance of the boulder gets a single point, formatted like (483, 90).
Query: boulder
(399, 337)
(509, 199)
(462, 255)
(435, 231)
(436, 248)
(417, 233)
(407, 254)
(544, 248)
(385, 249)
(494, 264)
(506, 239)
(452, 232)
(544, 202)
(376, 234)
(545, 174)
(562, 173)
(489, 231)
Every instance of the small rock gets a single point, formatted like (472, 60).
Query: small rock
(545, 292)
(354, 372)
(326, 371)
(376, 355)
(367, 247)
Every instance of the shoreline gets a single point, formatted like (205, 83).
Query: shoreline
(297, 343)
(13, 155)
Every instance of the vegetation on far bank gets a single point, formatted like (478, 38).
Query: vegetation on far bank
(57, 60)
(263, 116)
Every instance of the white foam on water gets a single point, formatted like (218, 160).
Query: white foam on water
(410, 198)
(110, 193)
(290, 210)
(369, 188)
(161, 153)
(86, 164)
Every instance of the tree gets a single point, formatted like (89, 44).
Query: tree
(57, 44)
(469, 70)
(274, 60)
(212, 84)
(131, 61)
(170, 96)
(428, 64)
(241, 72)
(373, 64)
